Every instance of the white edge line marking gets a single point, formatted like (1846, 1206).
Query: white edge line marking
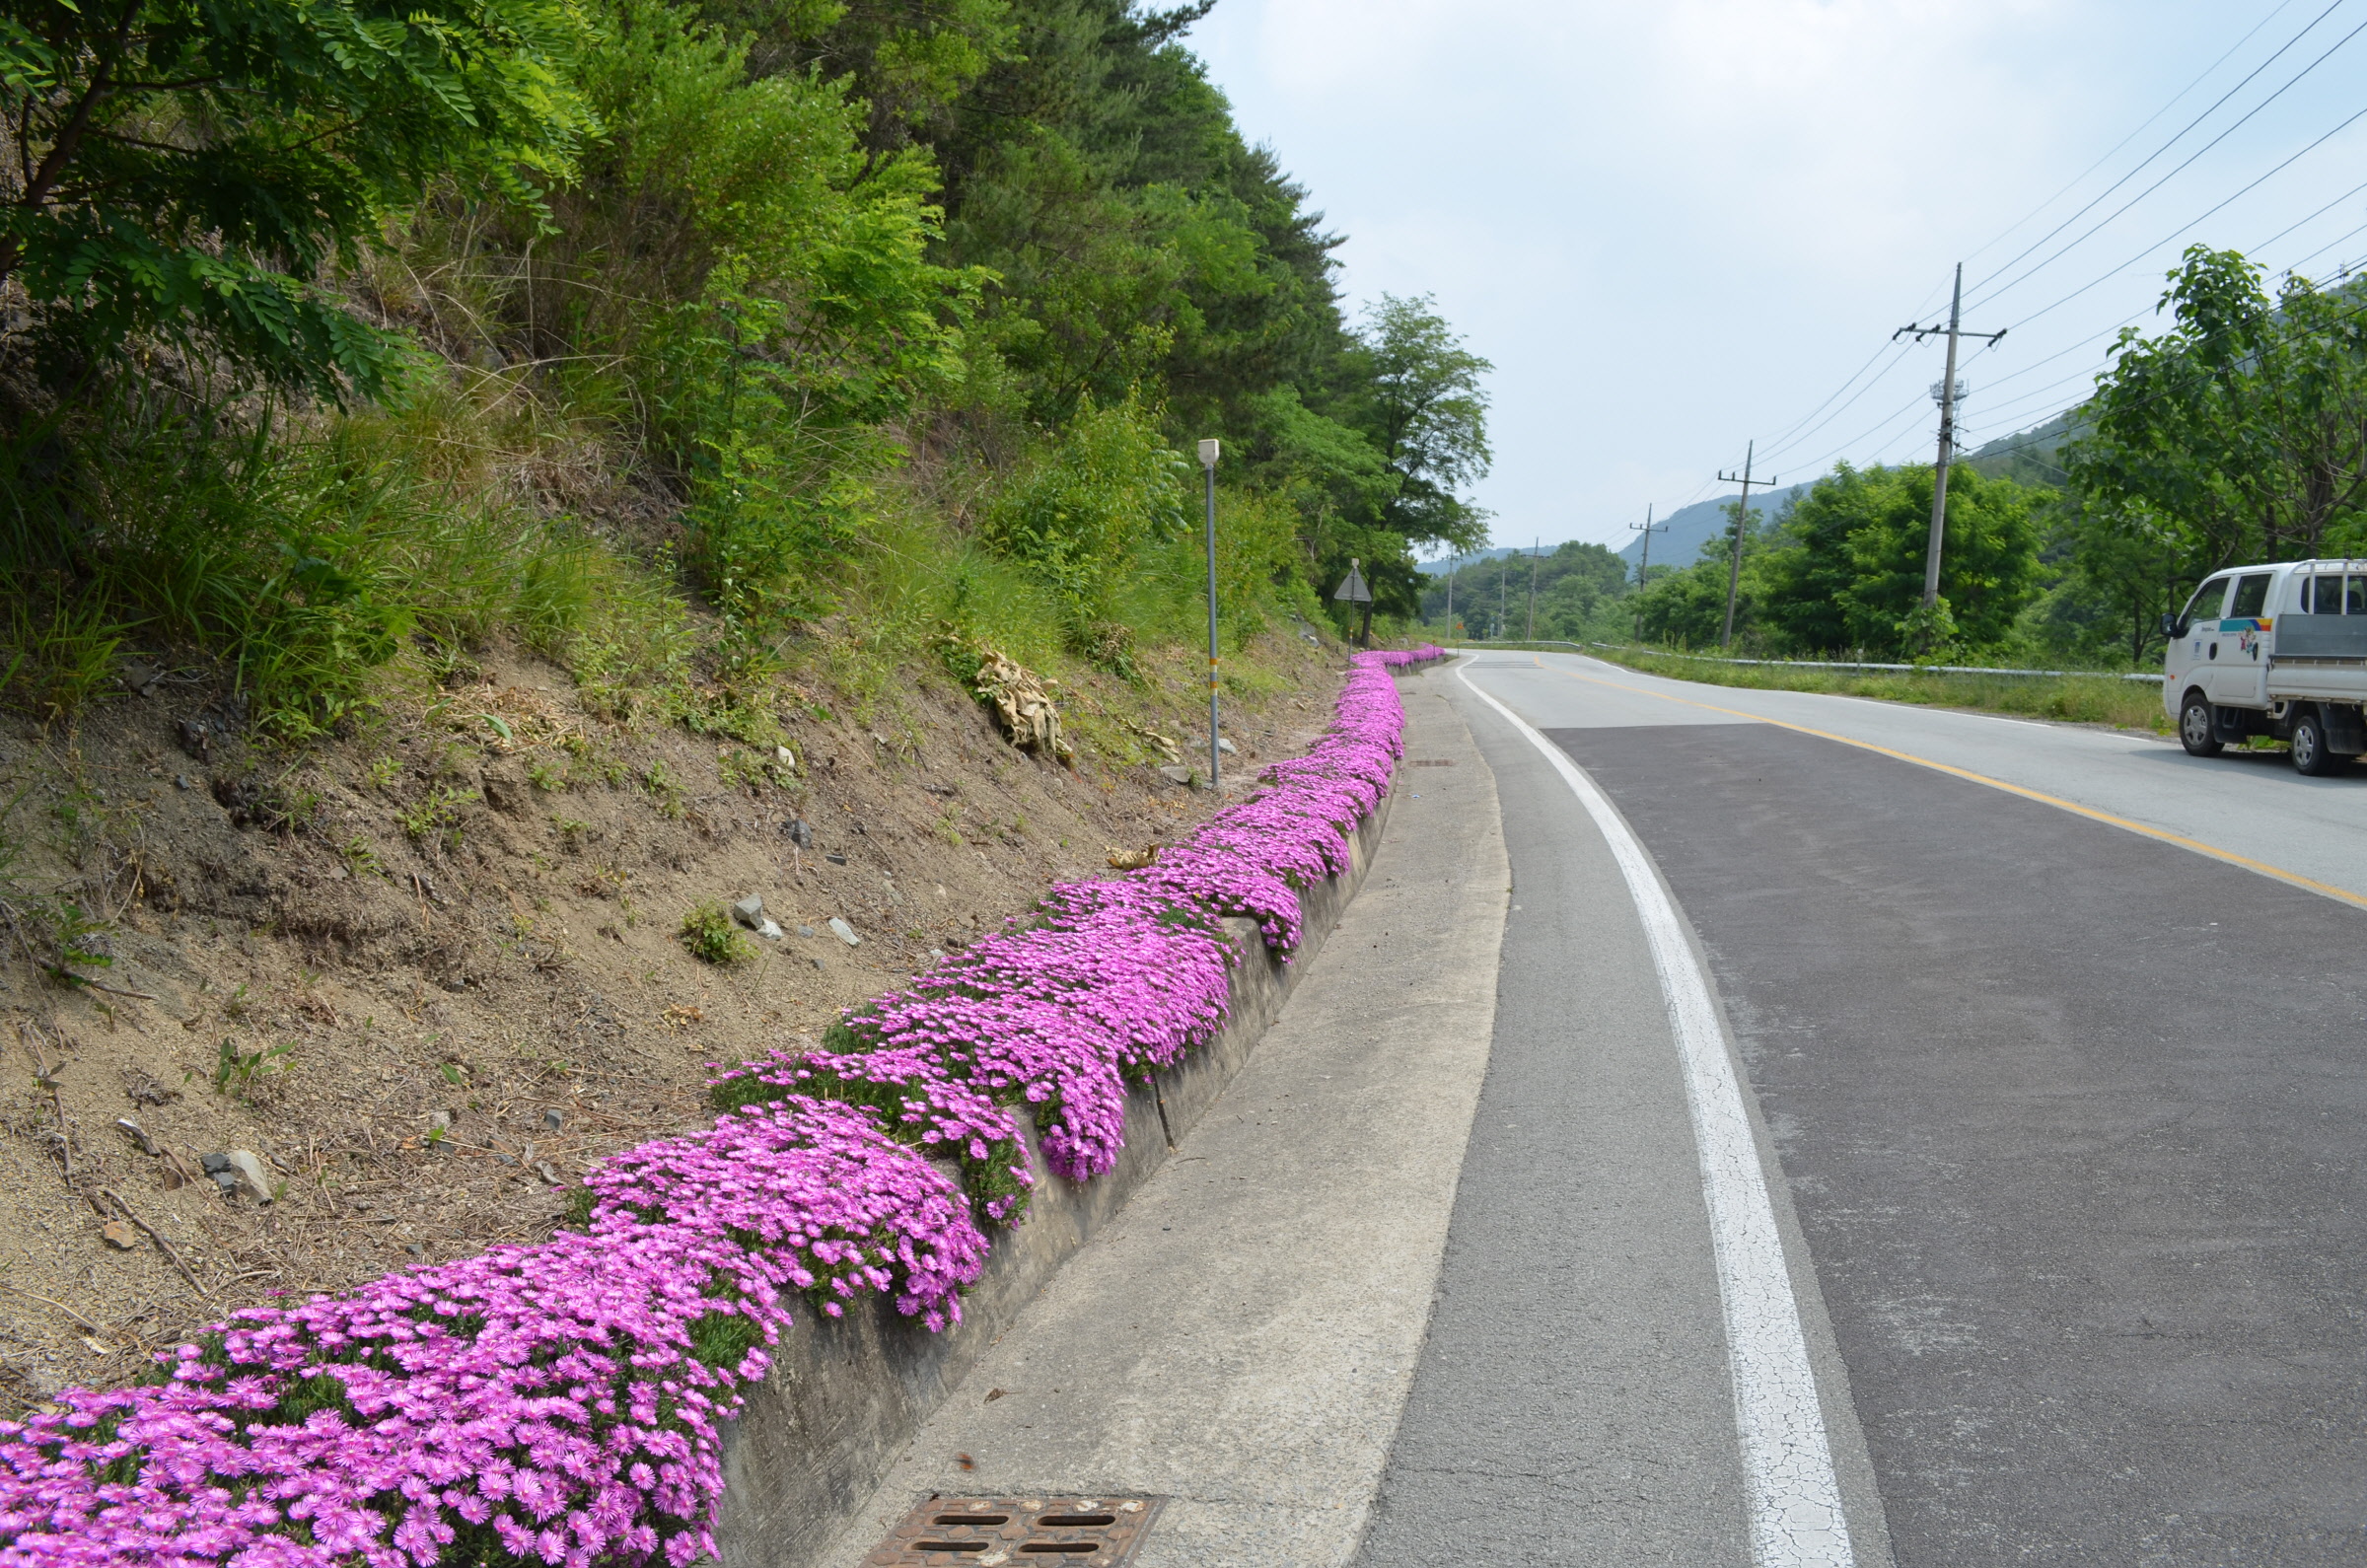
(1794, 1497)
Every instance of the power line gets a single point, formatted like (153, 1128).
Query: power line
(1785, 434)
(1896, 361)
(2069, 184)
(2184, 227)
(2164, 147)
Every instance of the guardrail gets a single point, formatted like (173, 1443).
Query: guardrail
(1809, 663)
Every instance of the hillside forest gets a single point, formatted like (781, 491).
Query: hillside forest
(2235, 431)
(685, 342)
(546, 544)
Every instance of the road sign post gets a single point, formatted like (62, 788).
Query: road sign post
(1352, 591)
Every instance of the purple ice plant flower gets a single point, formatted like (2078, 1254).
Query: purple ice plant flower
(560, 1403)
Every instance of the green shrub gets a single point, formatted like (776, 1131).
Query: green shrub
(709, 936)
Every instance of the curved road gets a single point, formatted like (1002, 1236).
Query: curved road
(1749, 1129)
(2056, 1041)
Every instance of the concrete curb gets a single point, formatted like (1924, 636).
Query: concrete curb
(846, 1395)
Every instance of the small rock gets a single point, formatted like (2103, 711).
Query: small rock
(119, 1236)
(248, 1176)
(439, 1120)
(178, 1173)
(146, 1090)
(816, 963)
(1225, 745)
(542, 1168)
(181, 781)
(800, 834)
(781, 754)
(805, 931)
(835, 860)
(769, 931)
(1178, 773)
(749, 912)
(552, 1121)
(846, 931)
(414, 1249)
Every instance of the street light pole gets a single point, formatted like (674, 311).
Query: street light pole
(1208, 449)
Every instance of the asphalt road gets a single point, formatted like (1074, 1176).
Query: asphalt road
(2064, 1118)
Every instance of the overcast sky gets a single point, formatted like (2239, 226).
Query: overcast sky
(1682, 225)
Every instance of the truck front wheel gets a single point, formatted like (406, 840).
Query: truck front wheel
(2311, 755)
(2196, 731)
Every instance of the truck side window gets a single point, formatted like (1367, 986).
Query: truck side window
(2204, 605)
(2251, 595)
(2354, 596)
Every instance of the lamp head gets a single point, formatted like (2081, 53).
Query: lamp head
(1209, 454)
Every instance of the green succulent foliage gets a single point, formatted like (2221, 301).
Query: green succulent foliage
(189, 170)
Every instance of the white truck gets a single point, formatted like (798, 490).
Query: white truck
(2278, 650)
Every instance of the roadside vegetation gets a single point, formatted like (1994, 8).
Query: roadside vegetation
(486, 485)
(2070, 698)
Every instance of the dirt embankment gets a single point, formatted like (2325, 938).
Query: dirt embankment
(425, 974)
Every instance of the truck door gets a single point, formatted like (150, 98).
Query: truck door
(2191, 656)
(2239, 677)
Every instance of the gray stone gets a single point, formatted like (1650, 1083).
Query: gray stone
(439, 1120)
(749, 912)
(769, 931)
(1178, 773)
(844, 932)
(552, 1121)
(1225, 745)
(805, 931)
(248, 1176)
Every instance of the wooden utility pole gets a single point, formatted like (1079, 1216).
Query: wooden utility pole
(1643, 569)
(1535, 549)
(1947, 392)
(1742, 520)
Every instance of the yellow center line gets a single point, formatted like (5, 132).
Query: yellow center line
(2163, 834)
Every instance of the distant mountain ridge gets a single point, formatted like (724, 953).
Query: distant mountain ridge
(1691, 527)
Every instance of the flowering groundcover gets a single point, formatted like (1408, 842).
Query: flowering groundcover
(559, 1403)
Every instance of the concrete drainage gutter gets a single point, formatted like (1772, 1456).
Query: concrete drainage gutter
(846, 1394)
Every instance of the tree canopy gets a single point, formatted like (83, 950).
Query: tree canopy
(189, 170)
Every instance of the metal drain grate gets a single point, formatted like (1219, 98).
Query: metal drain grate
(1017, 1532)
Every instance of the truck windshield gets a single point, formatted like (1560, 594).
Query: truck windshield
(2251, 594)
(2204, 605)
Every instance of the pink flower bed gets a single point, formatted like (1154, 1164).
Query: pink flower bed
(560, 1403)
